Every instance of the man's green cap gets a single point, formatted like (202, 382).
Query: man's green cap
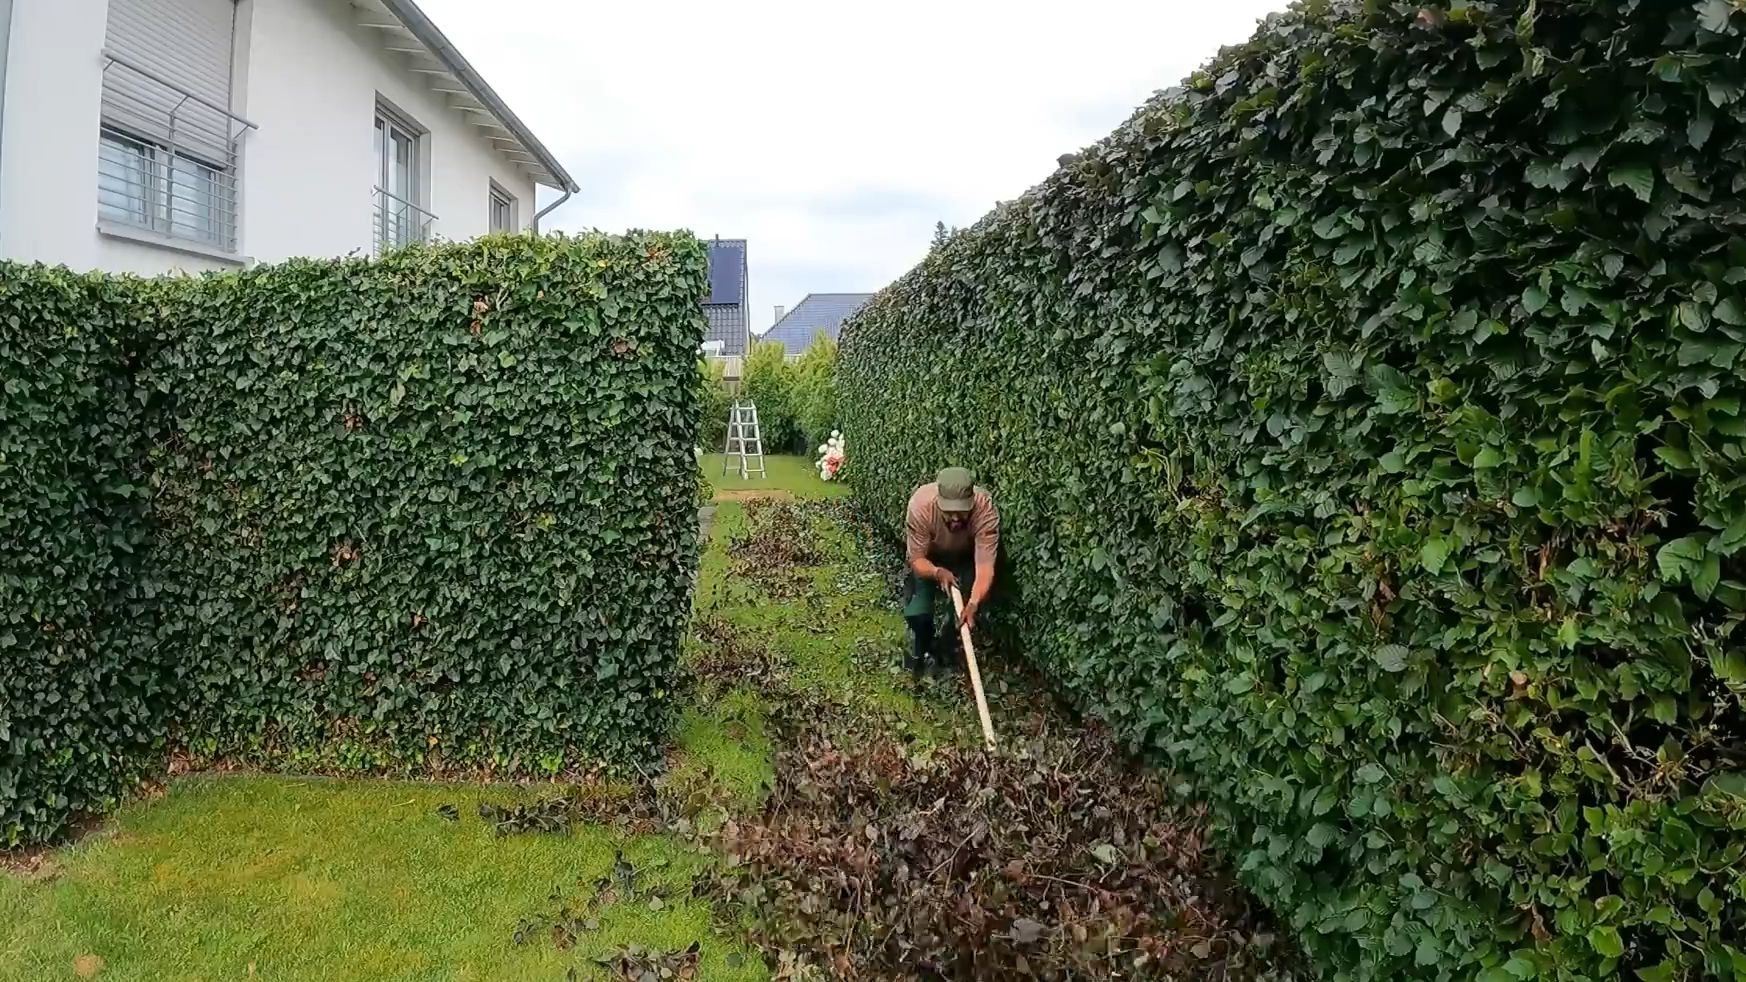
(957, 489)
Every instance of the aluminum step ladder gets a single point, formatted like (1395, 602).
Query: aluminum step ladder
(744, 441)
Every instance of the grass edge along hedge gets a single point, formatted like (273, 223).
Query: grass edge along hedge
(1366, 419)
(426, 514)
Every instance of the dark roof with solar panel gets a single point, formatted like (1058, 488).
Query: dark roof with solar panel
(729, 322)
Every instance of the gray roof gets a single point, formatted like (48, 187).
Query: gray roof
(818, 312)
(729, 322)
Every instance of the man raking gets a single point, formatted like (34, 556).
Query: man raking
(954, 537)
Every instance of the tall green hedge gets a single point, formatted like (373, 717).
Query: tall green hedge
(717, 403)
(82, 700)
(769, 383)
(433, 508)
(815, 393)
(1366, 418)
(430, 513)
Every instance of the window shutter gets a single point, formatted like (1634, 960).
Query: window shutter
(187, 44)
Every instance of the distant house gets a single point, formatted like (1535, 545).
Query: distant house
(819, 312)
(729, 335)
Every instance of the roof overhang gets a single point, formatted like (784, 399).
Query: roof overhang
(407, 31)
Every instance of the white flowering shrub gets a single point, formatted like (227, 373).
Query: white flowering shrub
(831, 455)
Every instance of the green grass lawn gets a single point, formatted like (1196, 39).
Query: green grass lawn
(791, 475)
(840, 638)
(287, 878)
(280, 878)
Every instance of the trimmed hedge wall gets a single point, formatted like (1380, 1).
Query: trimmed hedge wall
(430, 513)
(436, 509)
(82, 700)
(1366, 419)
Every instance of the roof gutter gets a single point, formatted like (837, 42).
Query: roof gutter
(421, 26)
(543, 212)
(5, 45)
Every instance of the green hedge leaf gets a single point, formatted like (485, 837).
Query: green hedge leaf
(1639, 178)
(1606, 941)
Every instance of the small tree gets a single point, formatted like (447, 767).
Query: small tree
(716, 400)
(815, 391)
(769, 382)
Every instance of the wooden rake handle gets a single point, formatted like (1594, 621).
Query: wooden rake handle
(975, 672)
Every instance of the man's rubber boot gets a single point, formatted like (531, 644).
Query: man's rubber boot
(949, 654)
(921, 632)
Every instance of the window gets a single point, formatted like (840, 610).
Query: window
(400, 220)
(168, 144)
(154, 187)
(124, 177)
(502, 210)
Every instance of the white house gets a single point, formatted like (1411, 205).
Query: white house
(151, 136)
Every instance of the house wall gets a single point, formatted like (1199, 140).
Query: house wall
(314, 153)
(48, 175)
(308, 76)
(5, 47)
(732, 366)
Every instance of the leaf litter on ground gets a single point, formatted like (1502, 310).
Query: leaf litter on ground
(633, 963)
(727, 655)
(569, 919)
(1060, 858)
(776, 547)
(1057, 859)
(876, 858)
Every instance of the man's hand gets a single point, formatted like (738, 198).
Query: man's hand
(969, 618)
(945, 578)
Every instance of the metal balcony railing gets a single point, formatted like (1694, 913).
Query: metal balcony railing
(400, 222)
(167, 157)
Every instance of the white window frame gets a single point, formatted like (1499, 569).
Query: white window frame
(145, 184)
(401, 217)
(169, 143)
(501, 203)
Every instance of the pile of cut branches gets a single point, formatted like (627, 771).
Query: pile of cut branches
(728, 655)
(1056, 861)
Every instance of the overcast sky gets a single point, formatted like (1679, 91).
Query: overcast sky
(832, 137)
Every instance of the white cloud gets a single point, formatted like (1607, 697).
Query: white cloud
(830, 136)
